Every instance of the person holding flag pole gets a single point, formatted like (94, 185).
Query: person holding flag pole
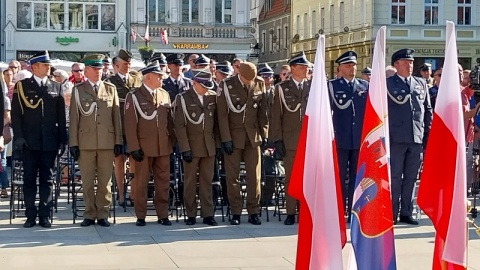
(314, 180)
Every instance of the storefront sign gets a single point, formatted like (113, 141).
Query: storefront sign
(66, 40)
(430, 51)
(195, 46)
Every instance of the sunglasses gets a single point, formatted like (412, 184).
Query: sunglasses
(77, 70)
(284, 74)
(12, 67)
(438, 75)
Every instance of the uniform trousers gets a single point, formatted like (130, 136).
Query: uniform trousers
(405, 163)
(251, 156)
(39, 163)
(160, 167)
(99, 163)
(291, 203)
(204, 167)
(347, 161)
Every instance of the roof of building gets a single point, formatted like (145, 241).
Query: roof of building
(278, 8)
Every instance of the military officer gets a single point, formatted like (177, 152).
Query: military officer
(176, 83)
(95, 138)
(288, 109)
(201, 62)
(39, 124)
(366, 73)
(409, 123)
(150, 135)
(348, 96)
(243, 123)
(433, 91)
(426, 73)
(195, 128)
(223, 70)
(126, 80)
(106, 68)
(266, 73)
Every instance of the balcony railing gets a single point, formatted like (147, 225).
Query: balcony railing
(201, 31)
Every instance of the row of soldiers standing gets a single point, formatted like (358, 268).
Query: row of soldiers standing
(238, 118)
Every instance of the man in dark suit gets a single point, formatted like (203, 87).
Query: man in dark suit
(176, 83)
(39, 124)
(348, 96)
(288, 108)
(410, 116)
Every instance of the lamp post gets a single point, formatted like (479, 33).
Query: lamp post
(146, 54)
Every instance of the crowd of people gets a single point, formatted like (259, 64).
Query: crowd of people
(235, 112)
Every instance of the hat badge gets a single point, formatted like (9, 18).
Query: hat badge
(409, 51)
(350, 54)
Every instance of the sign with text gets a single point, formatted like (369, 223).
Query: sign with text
(66, 40)
(195, 46)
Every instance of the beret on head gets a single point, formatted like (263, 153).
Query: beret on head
(248, 70)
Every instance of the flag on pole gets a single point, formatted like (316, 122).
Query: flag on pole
(442, 191)
(133, 35)
(315, 181)
(147, 35)
(164, 36)
(372, 218)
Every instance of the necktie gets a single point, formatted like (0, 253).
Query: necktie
(175, 82)
(300, 86)
(125, 80)
(407, 83)
(95, 87)
(350, 84)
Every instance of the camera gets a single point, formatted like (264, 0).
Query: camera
(475, 77)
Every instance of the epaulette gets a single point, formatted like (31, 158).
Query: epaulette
(164, 91)
(211, 92)
(109, 83)
(135, 73)
(80, 84)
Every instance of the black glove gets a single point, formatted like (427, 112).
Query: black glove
(187, 156)
(75, 152)
(280, 149)
(264, 143)
(117, 149)
(137, 155)
(19, 144)
(228, 147)
(61, 150)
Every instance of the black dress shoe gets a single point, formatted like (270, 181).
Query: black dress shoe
(164, 221)
(235, 220)
(408, 220)
(191, 221)
(210, 221)
(254, 219)
(140, 222)
(290, 220)
(44, 222)
(103, 222)
(29, 223)
(87, 222)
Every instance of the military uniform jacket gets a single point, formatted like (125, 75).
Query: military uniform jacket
(134, 80)
(288, 109)
(95, 118)
(269, 94)
(183, 85)
(348, 111)
(38, 114)
(433, 91)
(242, 115)
(410, 112)
(195, 124)
(149, 121)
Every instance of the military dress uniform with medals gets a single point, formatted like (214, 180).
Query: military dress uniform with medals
(150, 135)
(242, 118)
(289, 105)
(196, 131)
(125, 84)
(96, 132)
(410, 116)
(38, 120)
(347, 101)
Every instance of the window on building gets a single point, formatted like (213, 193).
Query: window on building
(82, 15)
(464, 12)
(305, 26)
(322, 18)
(268, 5)
(285, 35)
(297, 25)
(264, 41)
(190, 11)
(156, 10)
(272, 33)
(279, 39)
(398, 11)
(332, 18)
(342, 15)
(223, 11)
(363, 12)
(431, 11)
(314, 23)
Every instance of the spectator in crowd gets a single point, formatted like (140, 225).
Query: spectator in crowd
(284, 73)
(236, 64)
(191, 61)
(3, 147)
(25, 66)
(213, 66)
(466, 78)
(433, 91)
(15, 66)
(8, 79)
(77, 73)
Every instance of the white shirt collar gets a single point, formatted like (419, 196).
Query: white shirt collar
(297, 83)
(348, 80)
(200, 97)
(403, 78)
(149, 89)
(40, 80)
(122, 76)
(93, 84)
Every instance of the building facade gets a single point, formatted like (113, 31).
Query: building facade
(274, 33)
(67, 29)
(219, 29)
(352, 25)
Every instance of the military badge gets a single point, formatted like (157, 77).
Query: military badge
(211, 114)
(88, 105)
(340, 101)
(230, 87)
(399, 97)
(344, 96)
(194, 114)
(31, 101)
(286, 89)
(238, 107)
(255, 105)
